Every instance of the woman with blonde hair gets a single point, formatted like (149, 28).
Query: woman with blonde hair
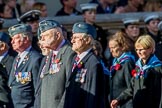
(145, 86)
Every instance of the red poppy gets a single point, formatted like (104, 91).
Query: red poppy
(134, 72)
(80, 65)
(57, 60)
(117, 66)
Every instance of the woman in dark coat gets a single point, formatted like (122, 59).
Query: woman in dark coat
(123, 63)
(145, 86)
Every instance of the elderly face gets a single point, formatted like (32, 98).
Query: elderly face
(143, 53)
(90, 16)
(45, 51)
(115, 49)
(18, 42)
(133, 32)
(79, 42)
(49, 39)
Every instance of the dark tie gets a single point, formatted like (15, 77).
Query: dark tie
(17, 62)
(75, 63)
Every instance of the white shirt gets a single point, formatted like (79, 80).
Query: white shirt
(23, 54)
(83, 54)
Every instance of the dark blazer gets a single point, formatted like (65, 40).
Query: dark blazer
(6, 65)
(120, 81)
(88, 92)
(23, 93)
(53, 85)
(4, 90)
(146, 92)
(7, 61)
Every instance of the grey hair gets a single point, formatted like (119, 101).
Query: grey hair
(85, 35)
(28, 34)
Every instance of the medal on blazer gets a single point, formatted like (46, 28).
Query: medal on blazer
(55, 66)
(23, 77)
(80, 76)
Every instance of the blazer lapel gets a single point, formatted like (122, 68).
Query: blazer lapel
(84, 60)
(24, 62)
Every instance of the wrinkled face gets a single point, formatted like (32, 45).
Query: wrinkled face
(48, 39)
(70, 3)
(133, 32)
(143, 53)
(90, 16)
(79, 42)
(45, 51)
(17, 42)
(34, 25)
(153, 25)
(115, 48)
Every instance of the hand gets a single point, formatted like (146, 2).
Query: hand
(114, 103)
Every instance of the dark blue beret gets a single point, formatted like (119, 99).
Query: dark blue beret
(32, 15)
(19, 28)
(48, 24)
(83, 27)
(4, 37)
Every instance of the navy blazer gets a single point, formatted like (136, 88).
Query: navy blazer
(23, 93)
(88, 92)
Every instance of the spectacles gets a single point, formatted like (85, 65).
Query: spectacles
(140, 50)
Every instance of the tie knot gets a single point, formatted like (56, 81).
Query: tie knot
(77, 59)
(18, 58)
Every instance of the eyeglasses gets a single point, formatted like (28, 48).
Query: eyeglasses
(140, 49)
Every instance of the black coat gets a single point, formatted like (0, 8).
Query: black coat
(87, 91)
(145, 91)
(120, 81)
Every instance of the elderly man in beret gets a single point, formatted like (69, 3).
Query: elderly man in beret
(85, 83)
(25, 69)
(6, 60)
(32, 18)
(53, 73)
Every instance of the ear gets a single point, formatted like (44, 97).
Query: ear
(2, 46)
(88, 40)
(58, 35)
(152, 50)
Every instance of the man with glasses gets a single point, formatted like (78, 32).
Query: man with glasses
(53, 73)
(85, 83)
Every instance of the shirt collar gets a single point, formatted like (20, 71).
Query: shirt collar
(61, 44)
(83, 54)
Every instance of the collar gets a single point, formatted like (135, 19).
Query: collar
(83, 54)
(23, 54)
(61, 44)
(2, 56)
